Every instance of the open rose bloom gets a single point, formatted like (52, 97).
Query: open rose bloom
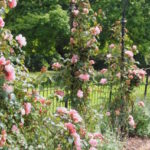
(12, 3)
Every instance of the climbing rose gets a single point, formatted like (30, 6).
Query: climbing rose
(75, 12)
(56, 66)
(74, 59)
(85, 11)
(131, 121)
(141, 103)
(15, 129)
(27, 107)
(93, 148)
(2, 61)
(77, 141)
(12, 3)
(62, 110)
(84, 77)
(72, 41)
(2, 23)
(95, 30)
(70, 127)
(75, 116)
(108, 113)
(103, 71)
(10, 72)
(103, 81)
(75, 24)
(21, 40)
(92, 62)
(111, 46)
(7, 88)
(60, 94)
(80, 94)
(74, 1)
(129, 54)
(93, 142)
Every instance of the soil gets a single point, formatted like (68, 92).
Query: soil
(137, 143)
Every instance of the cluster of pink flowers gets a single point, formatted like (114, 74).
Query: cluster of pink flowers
(84, 77)
(103, 71)
(21, 40)
(27, 109)
(12, 3)
(7, 88)
(8, 69)
(60, 94)
(141, 104)
(131, 122)
(56, 66)
(80, 94)
(112, 46)
(74, 59)
(103, 81)
(3, 138)
(95, 31)
(15, 129)
(2, 23)
(129, 54)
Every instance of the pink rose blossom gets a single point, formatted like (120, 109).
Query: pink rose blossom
(9, 72)
(42, 101)
(56, 66)
(62, 110)
(2, 23)
(27, 107)
(7, 88)
(75, 116)
(141, 104)
(75, 24)
(142, 73)
(74, 1)
(12, 3)
(93, 148)
(2, 60)
(72, 41)
(70, 127)
(85, 11)
(103, 81)
(111, 46)
(75, 12)
(80, 94)
(131, 121)
(98, 136)
(74, 59)
(129, 54)
(73, 30)
(93, 142)
(92, 62)
(21, 40)
(60, 94)
(103, 71)
(84, 77)
(95, 30)
(14, 129)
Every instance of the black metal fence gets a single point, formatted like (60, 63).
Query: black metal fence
(97, 95)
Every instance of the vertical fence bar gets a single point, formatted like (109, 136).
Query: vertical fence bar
(146, 86)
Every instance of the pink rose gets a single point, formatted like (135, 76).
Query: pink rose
(62, 110)
(141, 104)
(74, 1)
(7, 88)
(21, 40)
(42, 101)
(56, 66)
(129, 54)
(60, 94)
(108, 113)
(27, 107)
(93, 148)
(72, 41)
(73, 30)
(74, 59)
(103, 71)
(75, 24)
(103, 81)
(134, 47)
(14, 129)
(118, 75)
(2, 60)
(131, 121)
(80, 94)
(75, 12)
(70, 127)
(12, 3)
(93, 142)
(84, 77)
(111, 46)
(75, 116)
(2, 23)
(95, 30)
(85, 11)
(92, 62)
(9, 72)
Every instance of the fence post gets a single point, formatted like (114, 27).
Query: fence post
(146, 85)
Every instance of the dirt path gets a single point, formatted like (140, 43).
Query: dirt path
(137, 144)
